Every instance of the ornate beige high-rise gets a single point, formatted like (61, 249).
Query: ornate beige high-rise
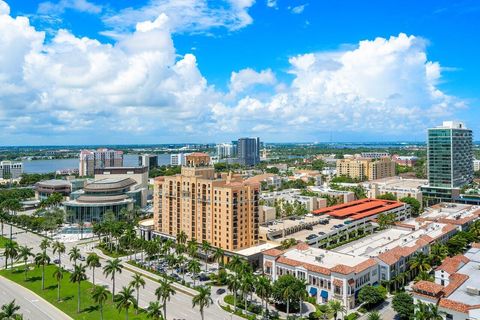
(221, 209)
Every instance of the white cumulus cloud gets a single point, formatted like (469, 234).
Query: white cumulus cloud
(246, 78)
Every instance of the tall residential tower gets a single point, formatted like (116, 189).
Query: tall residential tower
(221, 209)
(248, 151)
(450, 161)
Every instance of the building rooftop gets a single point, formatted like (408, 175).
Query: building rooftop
(54, 183)
(359, 209)
(109, 184)
(257, 249)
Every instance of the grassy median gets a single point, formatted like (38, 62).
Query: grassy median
(68, 294)
(3, 241)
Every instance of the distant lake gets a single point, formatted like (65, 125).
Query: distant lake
(45, 166)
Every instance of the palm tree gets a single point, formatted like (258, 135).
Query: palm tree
(9, 311)
(434, 313)
(58, 247)
(192, 248)
(24, 253)
(78, 275)
(41, 259)
(336, 307)
(246, 286)
(302, 293)
(111, 268)
(202, 299)
(218, 256)
(137, 282)
(164, 292)
(181, 262)
(194, 267)
(438, 253)
(235, 263)
(154, 311)
(233, 283)
(3, 217)
(287, 294)
(93, 262)
(182, 237)
(420, 262)
(12, 205)
(100, 295)
(124, 300)
(74, 255)
(263, 288)
(206, 248)
(11, 252)
(374, 316)
(44, 245)
(58, 275)
(422, 275)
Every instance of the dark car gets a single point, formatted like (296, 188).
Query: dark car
(82, 258)
(56, 261)
(220, 291)
(321, 233)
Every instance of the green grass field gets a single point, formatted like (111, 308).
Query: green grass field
(3, 241)
(68, 294)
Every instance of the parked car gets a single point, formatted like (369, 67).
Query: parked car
(82, 258)
(56, 261)
(221, 291)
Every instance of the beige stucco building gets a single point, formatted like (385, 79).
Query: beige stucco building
(221, 209)
(365, 168)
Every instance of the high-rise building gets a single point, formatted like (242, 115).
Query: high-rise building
(248, 151)
(449, 161)
(148, 160)
(225, 150)
(177, 159)
(10, 170)
(366, 169)
(97, 159)
(219, 208)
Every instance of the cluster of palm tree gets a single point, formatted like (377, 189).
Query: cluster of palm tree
(427, 311)
(9, 311)
(284, 208)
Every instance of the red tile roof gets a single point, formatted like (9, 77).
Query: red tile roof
(454, 305)
(428, 287)
(451, 265)
(273, 252)
(476, 245)
(302, 246)
(359, 209)
(343, 269)
(455, 281)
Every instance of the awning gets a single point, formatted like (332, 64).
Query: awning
(324, 294)
(313, 291)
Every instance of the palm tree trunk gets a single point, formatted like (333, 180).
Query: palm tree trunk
(138, 293)
(246, 308)
(101, 311)
(126, 313)
(201, 313)
(59, 261)
(113, 287)
(301, 307)
(11, 231)
(6, 263)
(78, 305)
(58, 291)
(165, 309)
(43, 276)
(93, 276)
(25, 270)
(235, 300)
(288, 308)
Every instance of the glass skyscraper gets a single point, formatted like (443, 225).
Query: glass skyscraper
(450, 160)
(248, 151)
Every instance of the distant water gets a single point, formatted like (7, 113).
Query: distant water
(45, 166)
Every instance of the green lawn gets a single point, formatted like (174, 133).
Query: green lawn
(3, 241)
(68, 292)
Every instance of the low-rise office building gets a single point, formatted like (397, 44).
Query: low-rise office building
(456, 290)
(330, 275)
(341, 195)
(408, 161)
(293, 196)
(270, 180)
(11, 170)
(397, 186)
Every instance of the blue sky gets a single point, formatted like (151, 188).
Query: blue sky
(84, 71)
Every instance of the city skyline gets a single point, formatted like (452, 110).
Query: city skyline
(83, 72)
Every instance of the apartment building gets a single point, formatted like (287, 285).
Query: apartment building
(397, 186)
(221, 209)
(177, 159)
(330, 275)
(366, 168)
(456, 290)
(95, 159)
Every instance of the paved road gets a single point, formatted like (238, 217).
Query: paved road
(179, 307)
(32, 307)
